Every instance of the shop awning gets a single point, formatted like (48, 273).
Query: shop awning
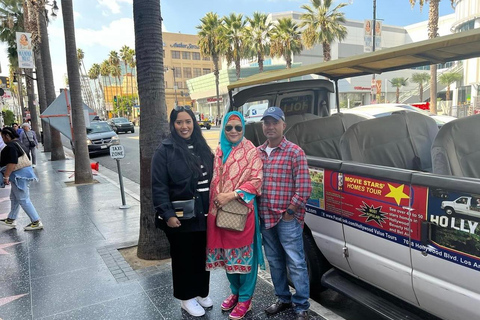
(454, 47)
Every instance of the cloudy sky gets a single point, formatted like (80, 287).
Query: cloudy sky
(105, 25)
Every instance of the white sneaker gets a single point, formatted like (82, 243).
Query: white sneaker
(34, 165)
(193, 308)
(205, 302)
(9, 223)
(34, 226)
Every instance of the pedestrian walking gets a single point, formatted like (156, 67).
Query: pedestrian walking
(237, 176)
(285, 191)
(12, 156)
(17, 129)
(181, 173)
(29, 139)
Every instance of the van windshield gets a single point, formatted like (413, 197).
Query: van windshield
(97, 127)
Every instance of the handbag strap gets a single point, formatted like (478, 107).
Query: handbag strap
(23, 151)
(26, 135)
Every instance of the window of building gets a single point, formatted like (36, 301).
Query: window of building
(186, 55)
(175, 54)
(207, 70)
(187, 72)
(197, 72)
(206, 58)
(178, 72)
(166, 84)
(179, 84)
(196, 55)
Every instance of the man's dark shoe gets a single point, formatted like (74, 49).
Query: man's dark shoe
(302, 315)
(277, 307)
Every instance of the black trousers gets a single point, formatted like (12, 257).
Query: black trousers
(188, 253)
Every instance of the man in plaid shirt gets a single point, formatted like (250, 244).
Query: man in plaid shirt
(285, 191)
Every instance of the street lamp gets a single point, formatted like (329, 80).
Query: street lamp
(174, 83)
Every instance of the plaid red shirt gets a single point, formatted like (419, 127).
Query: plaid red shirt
(286, 181)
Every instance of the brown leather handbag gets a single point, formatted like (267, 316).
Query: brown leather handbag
(233, 215)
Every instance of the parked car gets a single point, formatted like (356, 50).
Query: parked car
(100, 137)
(386, 109)
(121, 125)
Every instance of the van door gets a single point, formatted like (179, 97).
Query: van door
(376, 203)
(324, 211)
(446, 264)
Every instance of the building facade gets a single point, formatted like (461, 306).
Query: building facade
(182, 61)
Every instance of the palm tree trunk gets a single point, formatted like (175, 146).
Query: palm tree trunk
(289, 61)
(47, 145)
(31, 98)
(398, 94)
(327, 56)
(152, 243)
(237, 68)
(421, 91)
(433, 33)
(57, 152)
(83, 172)
(260, 62)
(20, 93)
(217, 82)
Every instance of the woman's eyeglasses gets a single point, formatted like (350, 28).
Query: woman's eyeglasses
(182, 108)
(230, 128)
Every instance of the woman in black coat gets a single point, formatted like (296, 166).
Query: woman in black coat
(181, 174)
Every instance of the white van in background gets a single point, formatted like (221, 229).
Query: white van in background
(255, 112)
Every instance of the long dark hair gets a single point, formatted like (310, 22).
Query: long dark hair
(197, 140)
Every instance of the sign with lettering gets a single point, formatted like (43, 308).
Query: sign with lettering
(24, 50)
(117, 152)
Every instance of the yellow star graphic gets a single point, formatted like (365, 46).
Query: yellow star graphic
(397, 193)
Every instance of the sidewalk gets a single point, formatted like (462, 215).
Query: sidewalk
(73, 270)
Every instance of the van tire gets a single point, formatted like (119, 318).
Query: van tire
(317, 264)
(208, 127)
(449, 211)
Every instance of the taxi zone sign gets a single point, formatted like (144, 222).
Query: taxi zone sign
(117, 152)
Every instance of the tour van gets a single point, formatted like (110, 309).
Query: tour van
(376, 228)
(255, 112)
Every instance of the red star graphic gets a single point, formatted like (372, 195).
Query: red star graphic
(6, 245)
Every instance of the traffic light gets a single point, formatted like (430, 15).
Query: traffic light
(115, 99)
(7, 82)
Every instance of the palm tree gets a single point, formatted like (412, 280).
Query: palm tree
(432, 33)
(447, 78)
(286, 40)
(93, 74)
(105, 73)
(114, 61)
(420, 78)
(211, 44)
(398, 83)
(132, 64)
(83, 172)
(152, 243)
(323, 25)
(258, 34)
(116, 72)
(124, 56)
(234, 37)
(57, 152)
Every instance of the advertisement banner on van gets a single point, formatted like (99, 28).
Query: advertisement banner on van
(455, 230)
(386, 209)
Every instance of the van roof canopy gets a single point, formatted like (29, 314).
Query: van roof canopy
(458, 46)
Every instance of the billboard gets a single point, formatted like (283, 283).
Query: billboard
(24, 50)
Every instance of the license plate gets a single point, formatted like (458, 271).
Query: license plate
(103, 147)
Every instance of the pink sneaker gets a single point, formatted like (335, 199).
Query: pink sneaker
(230, 302)
(241, 310)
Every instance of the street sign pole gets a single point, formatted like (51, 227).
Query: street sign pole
(122, 191)
(117, 152)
